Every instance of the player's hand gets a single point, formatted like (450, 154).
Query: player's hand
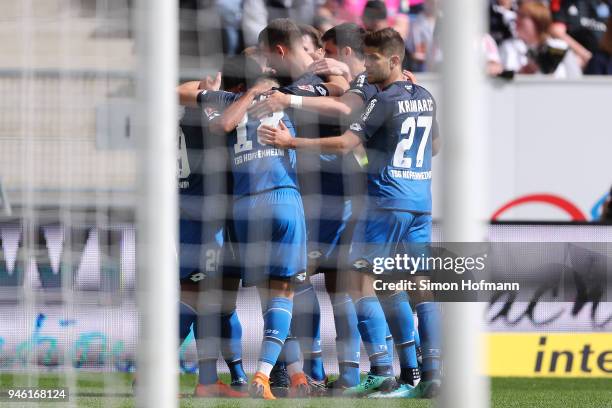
(329, 66)
(211, 84)
(409, 76)
(263, 85)
(275, 102)
(275, 136)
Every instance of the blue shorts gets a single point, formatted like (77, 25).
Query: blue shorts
(271, 235)
(200, 244)
(381, 234)
(327, 223)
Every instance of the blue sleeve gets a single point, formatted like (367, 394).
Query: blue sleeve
(372, 119)
(361, 87)
(216, 98)
(305, 90)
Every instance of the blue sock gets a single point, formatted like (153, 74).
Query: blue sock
(431, 338)
(373, 327)
(231, 345)
(307, 314)
(208, 342)
(347, 339)
(187, 317)
(389, 340)
(401, 322)
(277, 320)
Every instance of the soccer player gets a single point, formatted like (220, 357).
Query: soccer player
(282, 45)
(202, 214)
(344, 47)
(399, 131)
(202, 206)
(268, 220)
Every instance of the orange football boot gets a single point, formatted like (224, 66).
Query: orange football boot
(260, 387)
(217, 390)
(299, 386)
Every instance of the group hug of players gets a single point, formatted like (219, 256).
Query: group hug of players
(326, 170)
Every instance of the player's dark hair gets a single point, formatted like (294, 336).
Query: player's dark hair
(346, 35)
(375, 10)
(239, 70)
(387, 41)
(280, 31)
(313, 33)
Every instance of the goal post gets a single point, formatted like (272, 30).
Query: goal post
(157, 286)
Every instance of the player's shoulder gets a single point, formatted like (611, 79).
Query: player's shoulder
(407, 89)
(308, 84)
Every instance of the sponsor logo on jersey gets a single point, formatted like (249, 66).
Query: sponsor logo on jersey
(307, 88)
(368, 110)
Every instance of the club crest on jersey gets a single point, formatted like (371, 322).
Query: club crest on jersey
(307, 88)
(368, 110)
(356, 127)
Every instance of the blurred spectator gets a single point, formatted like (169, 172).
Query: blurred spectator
(254, 19)
(376, 15)
(494, 66)
(534, 51)
(257, 14)
(581, 24)
(334, 12)
(502, 20)
(420, 40)
(312, 41)
(230, 13)
(375, 18)
(601, 63)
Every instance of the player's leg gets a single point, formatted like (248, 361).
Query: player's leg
(231, 334)
(200, 247)
(372, 327)
(430, 320)
(279, 235)
(334, 237)
(231, 328)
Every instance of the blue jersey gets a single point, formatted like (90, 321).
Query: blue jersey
(362, 88)
(191, 153)
(310, 124)
(256, 167)
(397, 128)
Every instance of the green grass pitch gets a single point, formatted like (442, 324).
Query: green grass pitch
(114, 390)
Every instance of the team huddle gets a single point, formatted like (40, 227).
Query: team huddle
(297, 167)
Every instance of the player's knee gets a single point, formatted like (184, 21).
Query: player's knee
(281, 288)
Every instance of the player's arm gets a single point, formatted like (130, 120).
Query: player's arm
(324, 105)
(337, 85)
(188, 91)
(234, 113)
(368, 124)
(281, 138)
(329, 66)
